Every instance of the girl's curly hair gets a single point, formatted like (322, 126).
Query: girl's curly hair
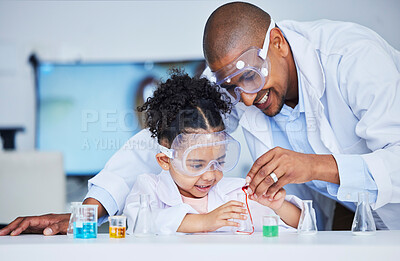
(184, 104)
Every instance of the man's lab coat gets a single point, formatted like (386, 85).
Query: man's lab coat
(351, 85)
(168, 209)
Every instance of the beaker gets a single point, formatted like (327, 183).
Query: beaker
(308, 222)
(144, 221)
(363, 222)
(270, 226)
(246, 225)
(117, 226)
(85, 225)
(72, 218)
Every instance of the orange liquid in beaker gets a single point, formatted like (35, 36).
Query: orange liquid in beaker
(117, 232)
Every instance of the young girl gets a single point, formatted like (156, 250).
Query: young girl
(191, 194)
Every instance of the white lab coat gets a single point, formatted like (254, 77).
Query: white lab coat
(351, 83)
(168, 209)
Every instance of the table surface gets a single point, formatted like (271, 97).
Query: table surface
(325, 245)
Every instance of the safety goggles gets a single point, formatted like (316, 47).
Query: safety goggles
(247, 72)
(194, 154)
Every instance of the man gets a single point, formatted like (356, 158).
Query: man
(330, 92)
(318, 103)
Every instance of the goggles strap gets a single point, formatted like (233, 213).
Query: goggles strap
(166, 151)
(264, 50)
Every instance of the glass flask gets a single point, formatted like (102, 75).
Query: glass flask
(144, 221)
(363, 222)
(246, 226)
(308, 222)
(72, 219)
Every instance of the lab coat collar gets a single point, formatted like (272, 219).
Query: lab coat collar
(168, 192)
(307, 61)
(301, 94)
(258, 124)
(311, 78)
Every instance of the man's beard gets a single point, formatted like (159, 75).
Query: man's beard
(282, 99)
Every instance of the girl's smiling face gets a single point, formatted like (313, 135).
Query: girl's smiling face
(196, 186)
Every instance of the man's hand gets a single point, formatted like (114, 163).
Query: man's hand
(220, 216)
(289, 167)
(50, 224)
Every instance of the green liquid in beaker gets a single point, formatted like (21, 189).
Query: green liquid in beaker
(270, 231)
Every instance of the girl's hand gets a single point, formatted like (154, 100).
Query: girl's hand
(220, 216)
(276, 202)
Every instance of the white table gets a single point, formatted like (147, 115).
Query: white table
(338, 246)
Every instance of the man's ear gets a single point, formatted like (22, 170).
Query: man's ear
(163, 161)
(279, 42)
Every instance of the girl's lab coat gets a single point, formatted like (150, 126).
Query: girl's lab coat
(169, 210)
(351, 85)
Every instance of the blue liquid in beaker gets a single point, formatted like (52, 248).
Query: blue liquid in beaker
(85, 229)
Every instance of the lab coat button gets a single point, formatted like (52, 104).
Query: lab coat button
(348, 196)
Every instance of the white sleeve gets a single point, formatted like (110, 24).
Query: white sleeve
(137, 156)
(165, 219)
(369, 79)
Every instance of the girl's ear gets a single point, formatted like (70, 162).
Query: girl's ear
(163, 161)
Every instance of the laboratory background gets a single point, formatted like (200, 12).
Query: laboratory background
(72, 72)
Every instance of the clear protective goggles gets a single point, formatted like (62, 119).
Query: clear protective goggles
(194, 154)
(248, 72)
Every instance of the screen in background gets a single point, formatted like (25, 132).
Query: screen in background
(86, 111)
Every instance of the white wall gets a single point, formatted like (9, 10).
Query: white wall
(135, 31)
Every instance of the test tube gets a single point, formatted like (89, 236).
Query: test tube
(270, 226)
(117, 226)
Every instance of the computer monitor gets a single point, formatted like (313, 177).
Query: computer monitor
(87, 110)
